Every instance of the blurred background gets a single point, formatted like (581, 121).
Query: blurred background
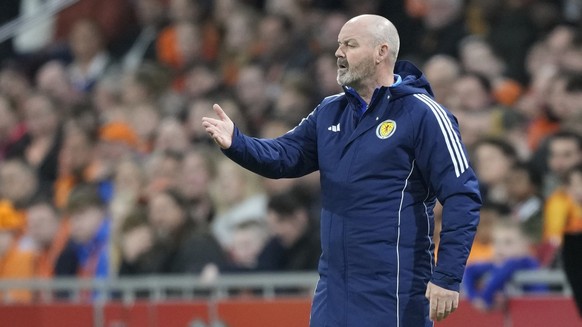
(107, 176)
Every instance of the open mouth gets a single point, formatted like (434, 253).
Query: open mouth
(342, 65)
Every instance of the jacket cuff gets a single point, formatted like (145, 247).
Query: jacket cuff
(445, 281)
(236, 143)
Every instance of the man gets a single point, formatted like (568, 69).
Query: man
(295, 241)
(86, 255)
(565, 152)
(386, 151)
(48, 234)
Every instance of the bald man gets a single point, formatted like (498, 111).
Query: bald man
(386, 151)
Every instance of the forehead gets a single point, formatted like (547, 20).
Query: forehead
(352, 30)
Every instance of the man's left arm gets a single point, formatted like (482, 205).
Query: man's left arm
(444, 165)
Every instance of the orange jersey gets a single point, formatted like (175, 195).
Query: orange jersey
(17, 264)
(480, 252)
(562, 215)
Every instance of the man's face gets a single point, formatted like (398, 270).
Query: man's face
(355, 55)
(564, 154)
(287, 229)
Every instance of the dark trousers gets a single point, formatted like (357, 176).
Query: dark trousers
(572, 249)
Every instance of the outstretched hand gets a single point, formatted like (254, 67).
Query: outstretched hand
(443, 302)
(221, 129)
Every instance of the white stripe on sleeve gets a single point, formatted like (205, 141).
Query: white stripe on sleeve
(446, 136)
(450, 125)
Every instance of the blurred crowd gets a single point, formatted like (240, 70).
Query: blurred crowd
(106, 170)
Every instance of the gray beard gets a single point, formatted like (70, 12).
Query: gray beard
(354, 76)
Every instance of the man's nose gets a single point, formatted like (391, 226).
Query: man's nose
(339, 53)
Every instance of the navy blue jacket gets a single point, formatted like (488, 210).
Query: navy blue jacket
(381, 174)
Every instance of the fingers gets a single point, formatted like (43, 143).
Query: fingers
(442, 302)
(455, 304)
(221, 130)
(210, 121)
(220, 113)
(216, 134)
(433, 309)
(440, 311)
(440, 308)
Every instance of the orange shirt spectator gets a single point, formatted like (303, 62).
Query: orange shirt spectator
(48, 234)
(14, 262)
(561, 215)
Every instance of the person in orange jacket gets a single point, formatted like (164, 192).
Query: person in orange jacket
(15, 263)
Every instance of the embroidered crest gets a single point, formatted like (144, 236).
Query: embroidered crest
(385, 129)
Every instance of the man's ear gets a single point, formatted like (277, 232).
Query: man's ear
(382, 53)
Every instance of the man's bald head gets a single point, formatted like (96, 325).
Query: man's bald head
(381, 30)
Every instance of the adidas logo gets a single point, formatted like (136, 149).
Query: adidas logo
(334, 128)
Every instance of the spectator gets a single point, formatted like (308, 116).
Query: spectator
(137, 44)
(197, 173)
(523, 198)
(295, 242)
(494, 159)
(565, 153)
(87, 254)
(41, 144)
(442, 71)
(117, 141)
(91, 61)
(248, 240)
(484, 282)
(179, 247)
(135, 241)
(128, 185)
(14, 262)
(551, 111)
(18, 183)
(238, 198)
(48, 233)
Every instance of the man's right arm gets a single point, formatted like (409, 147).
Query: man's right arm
(291, 155)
